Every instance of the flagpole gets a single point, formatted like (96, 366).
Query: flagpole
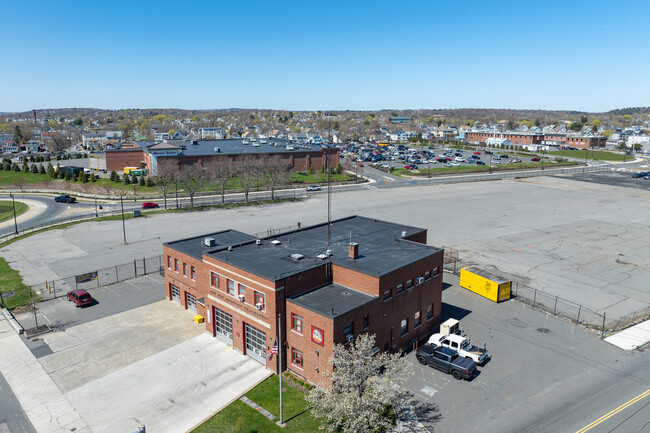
(280, 360)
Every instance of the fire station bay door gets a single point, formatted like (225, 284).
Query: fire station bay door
(176, 294)
(255, 344)
(223, 325)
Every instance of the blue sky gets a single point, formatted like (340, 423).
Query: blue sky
(307, 55)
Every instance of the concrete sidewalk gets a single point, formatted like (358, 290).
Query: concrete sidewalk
(45, 405)
(631, 338)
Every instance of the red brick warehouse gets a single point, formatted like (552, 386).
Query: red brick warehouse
(373, 277)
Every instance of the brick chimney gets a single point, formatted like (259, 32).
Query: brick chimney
(353, 250)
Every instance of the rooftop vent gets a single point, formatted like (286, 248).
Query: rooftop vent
(276, 242)
(195, 142)
(328, 253)
(289, 147)
(297, 256)
(217, 149)
(258, 241)
(404, 233)
(322, 256)
(209, 242)
(256, 144)
(244, 142)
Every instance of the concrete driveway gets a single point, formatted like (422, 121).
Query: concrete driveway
(150, 365)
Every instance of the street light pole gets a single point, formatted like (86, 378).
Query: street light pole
(96, 215)
(133, 192)
(176, 188)
(123, 225)
(543, 159)
(13, 204)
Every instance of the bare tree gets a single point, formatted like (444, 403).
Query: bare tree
(59, 142)
(248, 171)
(363, 385)
(167, 174)
(220, 170)
(274, 170)
(192, 178)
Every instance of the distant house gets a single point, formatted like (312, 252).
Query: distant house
(400, 119)
(32, 145)
(212, 133)
(9, 147)
(177, 136)
(160, 136)
(92, 139)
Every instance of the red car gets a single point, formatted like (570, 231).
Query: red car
(80, 297)
(534, 159)
(361, 165)
(477, 153)
(149, 205)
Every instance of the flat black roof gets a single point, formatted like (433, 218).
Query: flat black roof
(196, 246)
(241, 146)
(382, 249)
(331, 300)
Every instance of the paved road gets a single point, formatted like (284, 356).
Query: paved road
(47, 210)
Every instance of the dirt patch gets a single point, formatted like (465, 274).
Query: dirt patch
(24, 309)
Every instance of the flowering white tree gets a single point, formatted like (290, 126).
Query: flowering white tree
(365, 386)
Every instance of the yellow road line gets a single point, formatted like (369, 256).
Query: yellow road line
(615, 411)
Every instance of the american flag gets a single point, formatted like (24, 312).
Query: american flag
(274, 350)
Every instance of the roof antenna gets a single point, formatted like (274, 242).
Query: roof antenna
(329, 200)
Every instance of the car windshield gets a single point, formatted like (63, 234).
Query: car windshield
(84, 296)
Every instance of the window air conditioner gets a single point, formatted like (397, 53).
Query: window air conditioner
(420, 280)
(259, 306)
(242, 298)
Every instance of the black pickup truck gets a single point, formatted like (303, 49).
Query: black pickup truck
(447, 360)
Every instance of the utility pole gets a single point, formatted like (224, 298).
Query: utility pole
(13, 204)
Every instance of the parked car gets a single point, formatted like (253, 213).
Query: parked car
(535, 159)
(361, 165)
(149, 205)
(314, 188)
(477, 153)
(641, 174)
(446, 360)
(480, 163)
(461, 345)
(65, 198)
(488, 152)
(80, 297)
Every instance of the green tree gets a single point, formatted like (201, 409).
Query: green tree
(134, 179)
(18, 135)
(34, 169)
(141, 182)
(78, 121)
(25, 167)
(364, 386)
(126, 179)
(41, 169)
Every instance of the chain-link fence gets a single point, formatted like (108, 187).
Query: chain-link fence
(102, 277)
(558, 306)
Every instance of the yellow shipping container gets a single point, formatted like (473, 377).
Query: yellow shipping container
(485, 284)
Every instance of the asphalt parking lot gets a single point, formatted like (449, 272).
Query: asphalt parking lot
(536, 362)
(621, 179)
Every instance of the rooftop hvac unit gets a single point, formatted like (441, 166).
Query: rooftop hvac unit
(217, 149)
(195, 142)
(322, 256)
(255, 144)
(404, 234)
(242, 298)
(289, 147)
(276, 242)
(328, 253)
(244, 142)
(420, 280)
(259, 306)
(297, 256)
(209, 242)
(258, 241)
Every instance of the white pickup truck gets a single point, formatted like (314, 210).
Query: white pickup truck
(461, 345)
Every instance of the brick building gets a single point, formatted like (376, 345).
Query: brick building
(296, 156)
(372, 277)
(528, 138)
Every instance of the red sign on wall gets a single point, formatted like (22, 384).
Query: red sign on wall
(317, 335)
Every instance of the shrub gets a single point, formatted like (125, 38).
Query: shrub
(34, 168)
(25, 167)
(149, 182)
(16, 167)
(66, 176)
(92, 177)
(127, 179)
(41, 170)
(134, 179)
(141, 181)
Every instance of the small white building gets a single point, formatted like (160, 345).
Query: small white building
(497, 142)
(643, 140)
